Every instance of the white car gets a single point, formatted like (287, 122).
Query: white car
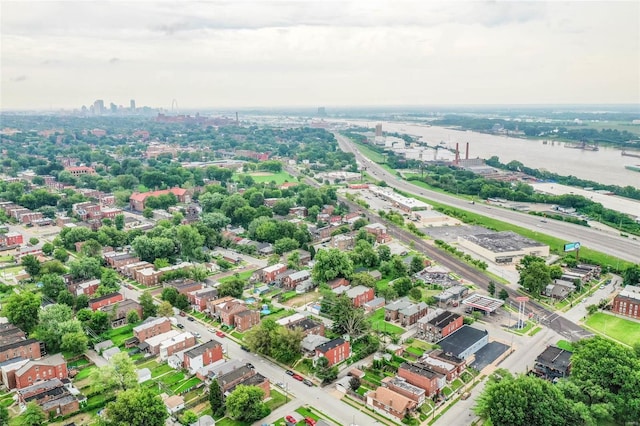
(196, 334)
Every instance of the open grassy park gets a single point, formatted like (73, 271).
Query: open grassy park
(620, 329)
(278, 178)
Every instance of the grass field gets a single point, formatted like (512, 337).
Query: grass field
(620, 329)
(379, 324)
(563, 344)
(279, 178)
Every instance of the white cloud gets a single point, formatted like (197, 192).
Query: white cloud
(244, 53)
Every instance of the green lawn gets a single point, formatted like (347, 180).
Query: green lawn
(242, 275)
(160, 370)
(186, 385)
(84, 373)
(415, 351)
(622, 330)
(379, 324)
(279, 178)
(171, 379)
(369, 153)
(277, 400)
(230, 422)
(563, 344)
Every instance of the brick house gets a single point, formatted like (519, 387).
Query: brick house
(405, 389)
(202, 355)
(336, 351)
(10, 239)
(119, 311)
(390, 403)
(246, 319)
(380, 232)
(46, 368)
(199, 298)
(9, 333)
(8, 370)
(442, 366)
(423, 377)
(117, 260)
(52, 396)
(405, 311)
(439, 327)
(183, 285)
(106, 300)
(291, 281)
(308, 326)
(243, 376)
(268, 274)
(88, 288)
(136, 201)
(553, 363)
(627, 302)
(360, 295)
(342, 242)
(151, 327)
(176, 344)
(29, 349)
(152, 344)
(338, 282)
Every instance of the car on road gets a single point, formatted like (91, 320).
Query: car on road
(309, 421)
(602, 287)
(219, 333)
(307, 382)
(190, 319)
(211, 330)
(180, 326)
(182, 314)
(465, 395)
(196, 334)
(245, 348)
(291, 419)
(289, 373)
(298, 377)
(250, 366)
(280, 385)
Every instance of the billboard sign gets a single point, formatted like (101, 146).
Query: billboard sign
(572, 246)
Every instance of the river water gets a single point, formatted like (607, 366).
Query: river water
(604, 166)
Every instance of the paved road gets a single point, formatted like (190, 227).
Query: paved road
(623, 248)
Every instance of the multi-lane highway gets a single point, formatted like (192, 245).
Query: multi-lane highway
(615, 245)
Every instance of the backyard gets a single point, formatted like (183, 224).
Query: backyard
(379, 324)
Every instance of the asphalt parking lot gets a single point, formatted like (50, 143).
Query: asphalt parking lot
(488, 354)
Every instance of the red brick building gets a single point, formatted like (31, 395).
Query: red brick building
(269, 273)
(51, 396)
(360, 295)
(449, 365)
(291, 281)
(176, 344)
(336, 351)
(389, 402)
(246, 319)
(439, 327)
(308, 326)
(136, 201)
(28, 349)
(151, 327)
(10, 239)
(202, 355)
(106, 300)
(627, 302)
(423, 377)
(50, 367)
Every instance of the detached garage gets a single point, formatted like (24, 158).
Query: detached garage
(465, 342)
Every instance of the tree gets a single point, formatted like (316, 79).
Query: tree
(402, 286)
(33, 415)
(233, 287)
(48, 248)
(61, 255)
(324, 372)
(75, 343)
(91, 248)
(198, 273)
(260, 339)
(363, 278)
(31, 264)
(215, 220)
(189, 242)
(22, 310)
(188, 417)
(82, 302)
(330, 264)
(149, 308)
(132, 317)
(52, 285)
(119, 373)
(100, 322)
(85, 268)
(169, 294)
(66, 298)
(147, 213)
(245, 404)
(535, 275)
(165, 309)
(109, 282)
(384, 253)
(354, 383)
(293, 260)
(415, 294)
(284, 245)
(182, 302)
(4, 415)
(417, 264)
(119, 222)
(137, 407)
(347, 320)
(286, 344)
(525, 401)
(631, 275)
(54, 323)
(492, 288)
(216, 398)
(504, 294)
(592, 309)
(33, 241)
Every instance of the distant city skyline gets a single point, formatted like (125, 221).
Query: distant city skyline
(318, 53)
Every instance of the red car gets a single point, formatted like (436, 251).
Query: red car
(219, 333)
(309, 421)
(291, 419)
(298, 377)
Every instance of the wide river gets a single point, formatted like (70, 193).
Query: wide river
(605, 165)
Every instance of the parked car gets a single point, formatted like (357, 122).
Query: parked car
(196, 334)
(298, 377)
(280, 385)
(309, 421)
(291, 419)
(182, 314)
(245, 348)
(180, 326)
(190, 319)
(289, 373)
(307, 382)
(219, 333)
(250, 365)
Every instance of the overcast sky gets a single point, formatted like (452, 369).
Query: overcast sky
(318, 53)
